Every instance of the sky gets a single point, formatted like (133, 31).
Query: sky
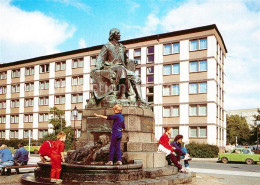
(32, 28)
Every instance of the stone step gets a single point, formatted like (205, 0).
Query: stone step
(158, 172)
(141, 147)
(149, 159)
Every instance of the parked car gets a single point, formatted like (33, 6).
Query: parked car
(33, 149)
(239, 155)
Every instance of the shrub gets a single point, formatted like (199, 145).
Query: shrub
(198, 150)
(14, 142)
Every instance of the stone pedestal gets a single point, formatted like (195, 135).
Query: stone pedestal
(138, 140)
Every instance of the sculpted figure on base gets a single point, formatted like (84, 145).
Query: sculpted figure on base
(114, 78)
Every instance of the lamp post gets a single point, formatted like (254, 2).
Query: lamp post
(75, 115)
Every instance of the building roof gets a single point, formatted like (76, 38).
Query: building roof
(140, 39)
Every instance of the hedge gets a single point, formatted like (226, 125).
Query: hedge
(14, 142)
(198, 150)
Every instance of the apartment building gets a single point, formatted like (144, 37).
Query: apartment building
(182, 75)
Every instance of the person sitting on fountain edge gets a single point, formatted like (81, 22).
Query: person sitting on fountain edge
(57, 154)
(117, 129)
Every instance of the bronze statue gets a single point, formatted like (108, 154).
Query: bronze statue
(114, 78)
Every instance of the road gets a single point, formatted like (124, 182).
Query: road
(231, 173)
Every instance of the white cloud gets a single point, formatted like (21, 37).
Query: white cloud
(82, 43)
(29, 34)
(240, 27)
(132, 6)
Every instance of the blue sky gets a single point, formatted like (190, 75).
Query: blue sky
(31, 28)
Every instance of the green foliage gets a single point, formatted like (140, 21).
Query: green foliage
(253, 130)
(14, 142)
(59, 124)
(198, 150)
(237, 126)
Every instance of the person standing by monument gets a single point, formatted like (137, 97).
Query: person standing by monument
(57, 154)
(118, 127)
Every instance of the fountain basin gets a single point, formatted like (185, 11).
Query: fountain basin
(82, 173)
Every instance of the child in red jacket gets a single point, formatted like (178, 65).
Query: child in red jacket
(45, 151)
(57, 154)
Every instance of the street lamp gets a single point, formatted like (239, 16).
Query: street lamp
(75, 115)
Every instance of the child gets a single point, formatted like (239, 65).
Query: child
(57, 154)
(117, 129)
(166, 148)
(45, 151)
(184, 155)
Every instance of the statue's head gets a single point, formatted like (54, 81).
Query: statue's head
(114, 33)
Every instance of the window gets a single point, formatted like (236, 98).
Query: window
(76, 63)
(28, 102)
(93, 60)
(44, 100)
(150, 70)
(167, 49)
(76, 98)
(127, 53)
(29, 87)
(198, 132)
(198, 66)
(171, 111)
(171, 90)
(15, 103)
(193, 132)
(193, 45)
(15, 88)
(150, 79)
(193, 88)
(29, 71)
(2, 134)
(28, 118)
(166, 112)
(44, 85)
(60, 83)
(2, 119)
(198, 88)
(175, 47)
(198, 44)
(26, 133)
(198, 110)
(2, 104)
(78, 133)
(138, 71)
(59, 99)
(175, 90)
(202, 132)
(43, 133)
(137, 52)
(175, 132)
(44, 68)
(203, 87)
(14, 134)
(167, 70)
(2, 89)
(150, 59)
(150, 50)
(44, 117)
(171, 48)
(149, 90)
(176, 69)
(150, 54)
(3, 75)
(78, 80)
(60, 66)
(149, 99)
(16, 73)
(14, 119)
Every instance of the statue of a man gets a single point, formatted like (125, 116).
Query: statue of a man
(116, 72)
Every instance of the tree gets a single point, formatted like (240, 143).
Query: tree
(59, 124)
(253, 130)
(237, 126)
